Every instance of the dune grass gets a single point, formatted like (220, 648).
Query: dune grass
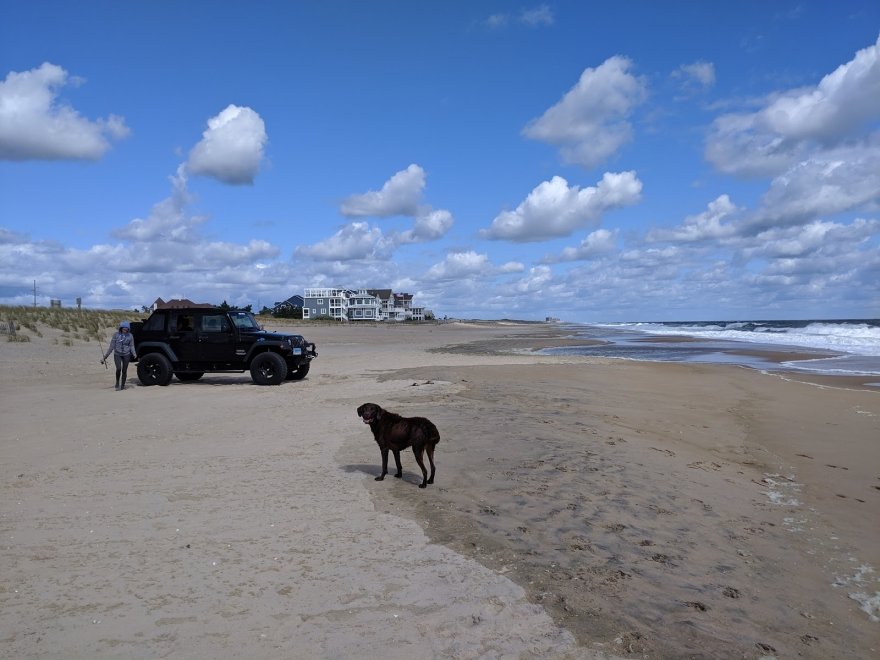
(20, 323)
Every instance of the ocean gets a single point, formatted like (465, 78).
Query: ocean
(841, 347)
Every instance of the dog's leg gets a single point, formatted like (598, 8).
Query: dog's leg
(418, 450)
(397, 460)
(430, 450)
(384, 451)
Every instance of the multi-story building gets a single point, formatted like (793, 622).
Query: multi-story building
(326, 301)
(364, 306)
(360, 305)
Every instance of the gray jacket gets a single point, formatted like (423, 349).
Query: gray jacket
(121, 344)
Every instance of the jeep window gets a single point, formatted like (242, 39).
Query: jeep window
(185, 323)
(156, 323)
(215, 323)
(244, 321)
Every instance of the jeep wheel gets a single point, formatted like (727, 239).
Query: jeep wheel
(188, 376)
(268, 369)
(154, 369)
(299, 373)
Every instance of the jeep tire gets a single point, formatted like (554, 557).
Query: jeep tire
(268, 369)
(154, 369)
(299, 373)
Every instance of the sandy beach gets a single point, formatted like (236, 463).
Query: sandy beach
(582, 507)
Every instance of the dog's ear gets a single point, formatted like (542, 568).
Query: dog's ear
(360, 411)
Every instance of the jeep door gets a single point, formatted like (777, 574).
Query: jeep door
(183, 337)
(216, 339)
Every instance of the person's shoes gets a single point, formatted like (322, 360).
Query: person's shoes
(117, 387)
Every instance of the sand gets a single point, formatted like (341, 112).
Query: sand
(582, 507)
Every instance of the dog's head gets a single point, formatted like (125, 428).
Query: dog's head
(369, 412)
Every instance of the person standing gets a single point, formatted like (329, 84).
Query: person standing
(122, 347)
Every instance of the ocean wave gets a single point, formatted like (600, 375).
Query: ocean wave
(858, 337)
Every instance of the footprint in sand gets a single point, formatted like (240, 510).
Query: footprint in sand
(697, 605)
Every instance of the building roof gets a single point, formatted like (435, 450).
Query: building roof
(179, 303)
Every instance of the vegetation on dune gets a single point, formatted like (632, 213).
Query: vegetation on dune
(18, 323)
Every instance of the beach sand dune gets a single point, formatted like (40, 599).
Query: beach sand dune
(581, 508)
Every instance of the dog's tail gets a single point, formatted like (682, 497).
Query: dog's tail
(432, 435)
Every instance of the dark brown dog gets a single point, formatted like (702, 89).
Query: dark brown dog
(395, 433)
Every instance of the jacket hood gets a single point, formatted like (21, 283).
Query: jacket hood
(125, 324)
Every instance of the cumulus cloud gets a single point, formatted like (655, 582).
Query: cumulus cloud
(460, 265)
(791, 125)
(590, 123)
(36, 125)
(231, 148)
(831, 239)
(555, 209)
(168, 220)
(596, 244)
(400, 195)
(429, 226)
(163, 254)
(713, 224)
(828, 182)
(356, 240)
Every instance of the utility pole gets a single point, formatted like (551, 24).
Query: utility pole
(35, 294)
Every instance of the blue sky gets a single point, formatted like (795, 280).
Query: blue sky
(625, 161)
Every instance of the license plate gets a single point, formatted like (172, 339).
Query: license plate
(297, 351)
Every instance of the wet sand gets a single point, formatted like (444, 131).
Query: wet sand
(672, 510)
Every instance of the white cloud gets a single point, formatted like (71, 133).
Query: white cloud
(460, 265)
(429, 226)
(556, 209)
(231, 148)
(512, 267)
(356, 240)
(791, 125)
(163, 255)
(707, 226)
(598, 243)
(827, 183)
(590, 123)
(830, 239)
(36, 125)
(400, 195)
(534, 281)
(168, 220)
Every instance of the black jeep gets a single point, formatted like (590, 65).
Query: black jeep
(190, 342)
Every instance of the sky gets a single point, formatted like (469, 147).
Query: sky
(588, 161)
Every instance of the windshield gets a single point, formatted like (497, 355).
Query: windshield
(244, 321)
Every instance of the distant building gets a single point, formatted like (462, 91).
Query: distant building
(344, 304)
(326, 301)
(178, 303)
(364, 306)
(291, 304)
